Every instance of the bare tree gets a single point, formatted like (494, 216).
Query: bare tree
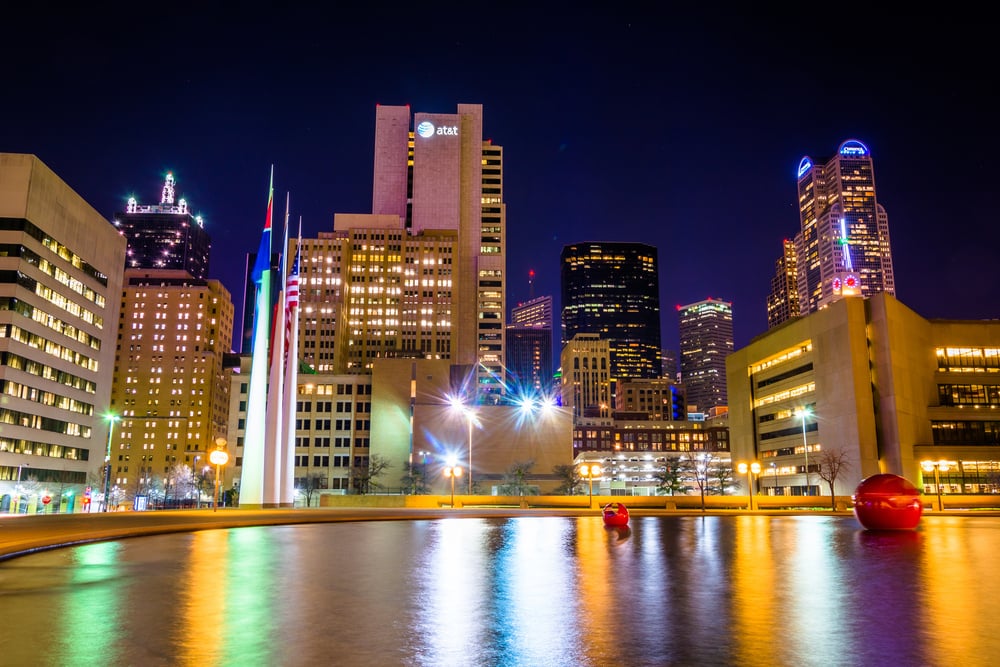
(569, 479)
(311, 485)
(722, 475)
(829, 464)
(702, 464)
(365, 478)
(671, 476)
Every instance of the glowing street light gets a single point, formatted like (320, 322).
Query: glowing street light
(750, 471)
(936, 466)
(803, 413)
(470, 417)
(219, 457)
(774, 471)
(112, 418)
(453, 471)
(590, 471)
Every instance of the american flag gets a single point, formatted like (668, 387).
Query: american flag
(291, 300)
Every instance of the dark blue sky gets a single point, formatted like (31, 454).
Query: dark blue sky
(674, 128)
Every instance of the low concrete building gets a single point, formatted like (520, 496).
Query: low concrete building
(875, 385)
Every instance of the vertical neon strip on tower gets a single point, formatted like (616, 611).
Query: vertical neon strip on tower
(252, 478)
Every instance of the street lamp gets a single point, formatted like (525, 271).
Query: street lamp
(774, 470)
(803, 413)
(701, 472)
(750, 471)
(590, 471)
(941, 465)
(470, 417)
(219, 458)
(453, 471)
(112, 418)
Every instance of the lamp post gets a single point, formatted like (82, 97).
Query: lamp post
(590, 471)
(112, 418)
(219, 458)
(470, 417)
(936, 466)
(803, 413)
(453, 471)
(774, 471)
(750, 471)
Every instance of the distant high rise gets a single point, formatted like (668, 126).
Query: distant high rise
(176, 331)
(613, 290)
(442, 175)
(706, 338)
(671, 369)
(534, 313)
(842, 248)
(783, 299)
(586, 377)
(529, 345)
(165, 235)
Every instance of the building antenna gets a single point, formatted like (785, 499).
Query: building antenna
(531, 284)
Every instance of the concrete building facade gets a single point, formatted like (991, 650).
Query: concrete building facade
(60, 294)
(874, 383)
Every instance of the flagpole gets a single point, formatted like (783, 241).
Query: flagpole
(291, 381)
(274, 445)
(252, 471)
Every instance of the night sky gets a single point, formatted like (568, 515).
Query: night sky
(678, 129)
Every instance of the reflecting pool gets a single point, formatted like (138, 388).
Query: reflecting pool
(527, 591)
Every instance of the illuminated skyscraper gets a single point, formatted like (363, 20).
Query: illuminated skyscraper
(783, 299)
(165, 235)
(706, 338)
(613, 290)
(170, 386)
(529, 345)
(842, 248)
(442, 176)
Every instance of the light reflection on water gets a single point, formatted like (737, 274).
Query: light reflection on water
(538, 591)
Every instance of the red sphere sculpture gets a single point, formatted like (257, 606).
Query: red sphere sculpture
(615, 514)
(887, 502)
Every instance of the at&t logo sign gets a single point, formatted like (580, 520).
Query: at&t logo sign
(427, 130)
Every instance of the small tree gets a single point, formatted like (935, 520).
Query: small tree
(569, 479)
(670, 477)
(311, 485)
(364, 479)
(829, 464)
(722, 476)
(702, 467)
(515, 480)
(414, 483)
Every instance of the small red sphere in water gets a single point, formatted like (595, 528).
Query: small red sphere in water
(887, 502)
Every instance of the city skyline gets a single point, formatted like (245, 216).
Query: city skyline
(616, 128)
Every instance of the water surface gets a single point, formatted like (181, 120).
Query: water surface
(527, 591)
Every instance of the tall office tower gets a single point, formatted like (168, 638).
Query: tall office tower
(586, 377)
(529, 360)
(165, 235)
(670, 367)
(442, 175)
(60, 289)
(529, 345)
(842, 248)
(706, 337)
(613, 290)
(783, 299)
(369, 290)
(536, 313)
(170, 387)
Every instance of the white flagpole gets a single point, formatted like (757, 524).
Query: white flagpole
(289, 411)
